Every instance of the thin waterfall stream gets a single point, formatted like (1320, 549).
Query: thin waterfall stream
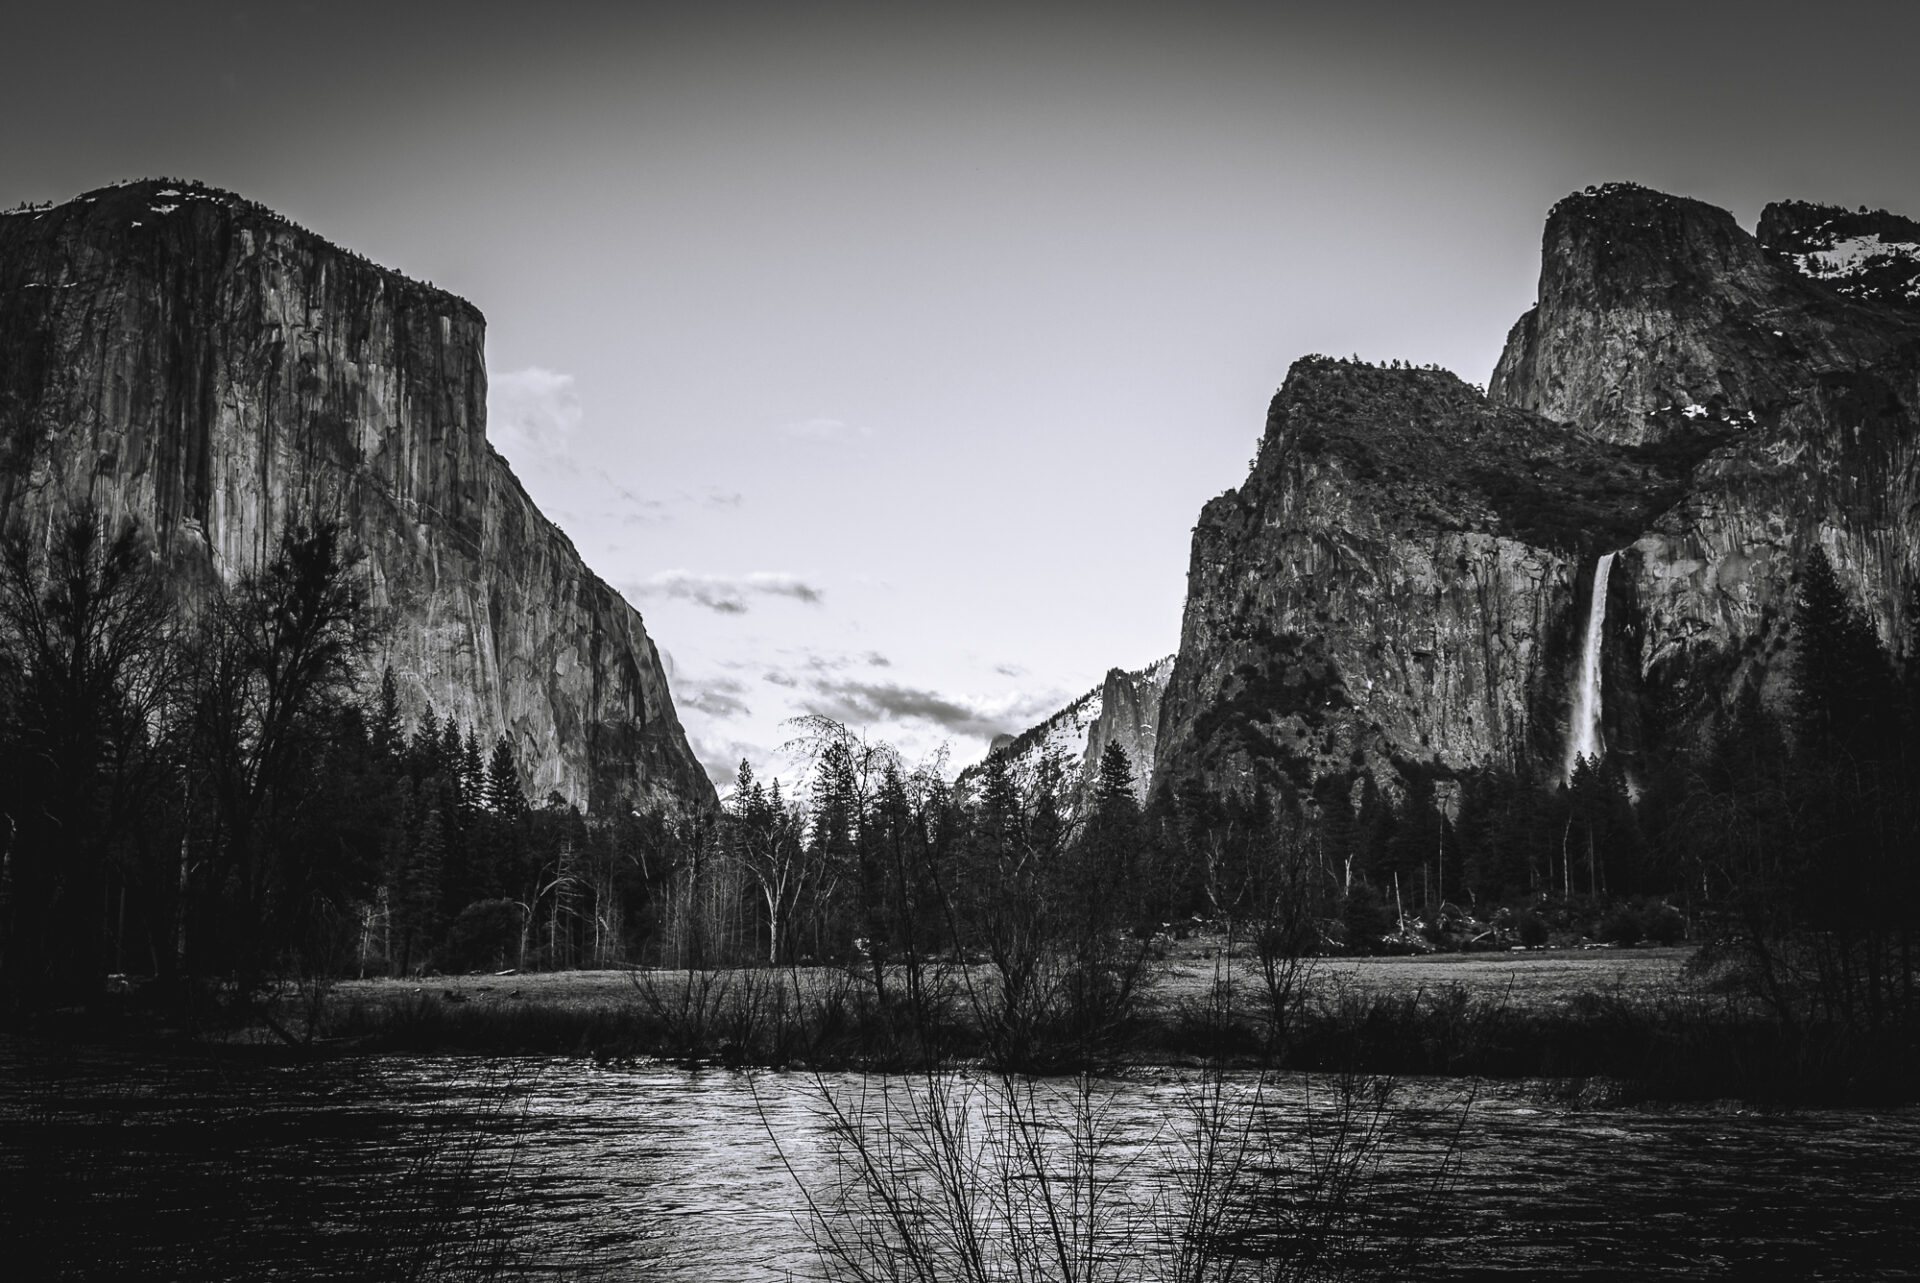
(1586, 738)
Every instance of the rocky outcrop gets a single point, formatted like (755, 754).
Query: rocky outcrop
(1399, 582)
(1124, 709)
(1870, 257)
(1655, 310)
(1391, 586)
(176, 354)
(1660, 320)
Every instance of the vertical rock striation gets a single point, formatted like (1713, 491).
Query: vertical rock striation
(1124, 709)
(1391, 587)
(1651, 305)
(1793, 378)
(176, 354)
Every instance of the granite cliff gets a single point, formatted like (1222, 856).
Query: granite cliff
(1403, 580)
(179, 355)
(1796, 369)
(1124, 709)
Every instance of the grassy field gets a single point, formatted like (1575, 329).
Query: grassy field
(1528, 980)
(833, 1012)
(1635, 1018)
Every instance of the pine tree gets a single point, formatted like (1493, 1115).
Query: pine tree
(1113, 835)
(1843, 687)
(836, 805)
(1046, 826)
(473, 777)
(389, 736)
(504, 797)
(448, 758)
(423, 752)
(1098, 894)
(1002, 824)
(1113, 786)
(420, 890)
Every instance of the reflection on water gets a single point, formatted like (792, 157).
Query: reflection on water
(116, 1167)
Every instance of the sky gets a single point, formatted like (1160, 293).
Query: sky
(883, 356)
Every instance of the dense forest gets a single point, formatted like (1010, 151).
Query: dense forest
(199, 791)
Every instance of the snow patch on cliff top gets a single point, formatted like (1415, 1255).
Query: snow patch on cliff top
(1065, 736)
(1848, 255)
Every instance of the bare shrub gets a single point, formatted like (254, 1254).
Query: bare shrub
(729, 1012)
(952, 1175)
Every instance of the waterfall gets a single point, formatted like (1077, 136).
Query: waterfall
(1585, 738)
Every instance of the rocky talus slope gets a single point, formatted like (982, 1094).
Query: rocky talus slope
(177, 354)
(1400, 582)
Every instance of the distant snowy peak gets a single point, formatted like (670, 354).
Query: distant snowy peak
(1870, 257)
(1123, 709)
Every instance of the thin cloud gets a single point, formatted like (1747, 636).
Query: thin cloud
(726, 594)
(856, 702)
(833, 430)
(636, 509)
(809, 664)
(721, 758)
(719, 698)
(532, 415)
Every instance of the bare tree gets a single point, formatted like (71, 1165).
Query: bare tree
(279, 653)
(89, 665)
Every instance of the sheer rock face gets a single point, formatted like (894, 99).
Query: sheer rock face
(1651, 304)
(1402, 579)
(1386, 588)
(178, 355)
(1129, 717)
(1790, 358)
(1124, 709)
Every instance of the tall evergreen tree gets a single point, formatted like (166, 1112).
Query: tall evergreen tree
(473, 777)
(423, 752)
(1844, 697)
(388, 732)
(504, 797)
(420, 890)
(1113, 838)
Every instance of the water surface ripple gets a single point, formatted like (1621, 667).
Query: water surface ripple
(113, 1166)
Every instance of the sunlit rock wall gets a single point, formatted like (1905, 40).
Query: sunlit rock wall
(176, 354)
(1399, 582)
(1787, 366)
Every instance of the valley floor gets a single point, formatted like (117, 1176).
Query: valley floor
(1533, 980)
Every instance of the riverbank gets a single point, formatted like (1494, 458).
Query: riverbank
(1591, 1022)
(1530, 979)
(1621, 1023)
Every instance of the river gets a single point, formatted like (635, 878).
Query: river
(186, 1167)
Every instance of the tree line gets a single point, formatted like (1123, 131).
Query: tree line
(202, 790)
(195, 786)
(1801, 823)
